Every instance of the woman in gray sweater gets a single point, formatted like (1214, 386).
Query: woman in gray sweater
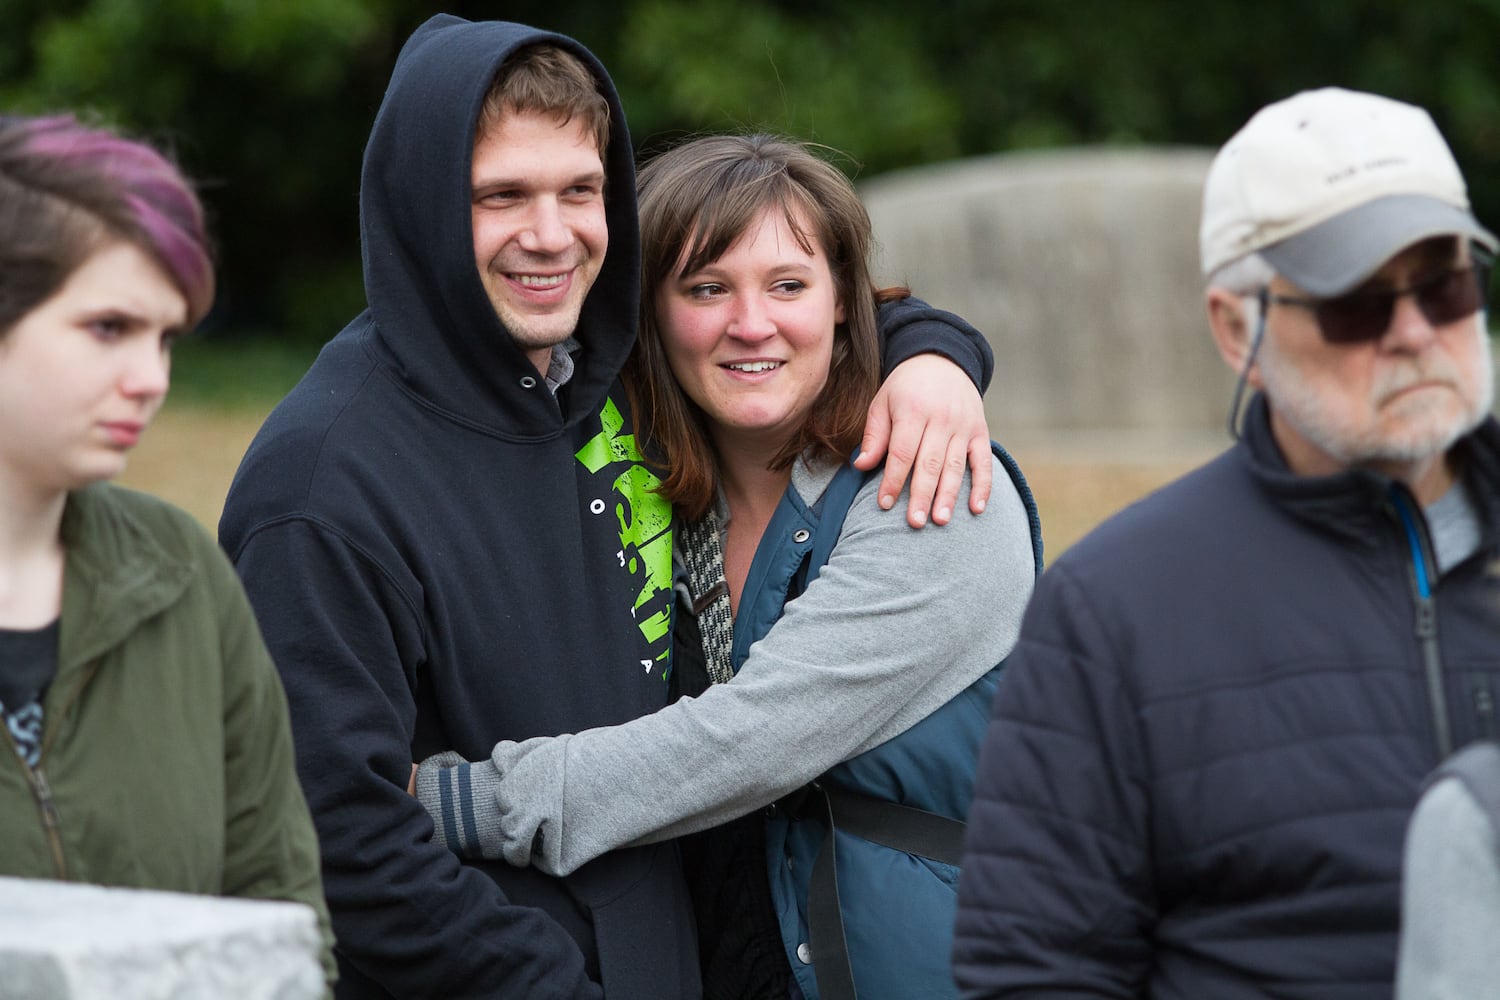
(757, 358)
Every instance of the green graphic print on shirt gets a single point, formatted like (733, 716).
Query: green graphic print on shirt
(645, 529)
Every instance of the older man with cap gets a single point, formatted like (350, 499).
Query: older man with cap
(1224, 701)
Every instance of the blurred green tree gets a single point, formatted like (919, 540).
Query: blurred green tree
(265, 103)
(269, 102)
(852, 82)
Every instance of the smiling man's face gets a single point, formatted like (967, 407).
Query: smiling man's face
(539, 226)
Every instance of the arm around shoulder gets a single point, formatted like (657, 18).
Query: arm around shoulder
(926, 421)
(909, 327)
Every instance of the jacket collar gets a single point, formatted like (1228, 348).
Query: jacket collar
(116, 575)
(1354, 504)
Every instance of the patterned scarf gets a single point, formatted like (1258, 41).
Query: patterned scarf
(703, 555)
(25, 725)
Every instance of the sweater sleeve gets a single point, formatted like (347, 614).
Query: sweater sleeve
(909, 327)
(1450, 899)
(1056, 895)
(349, 644)
(836, 675)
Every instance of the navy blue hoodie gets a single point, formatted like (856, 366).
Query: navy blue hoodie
(443, 555)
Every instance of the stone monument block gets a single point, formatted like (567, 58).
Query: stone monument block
(1081, 266)
(67, 941)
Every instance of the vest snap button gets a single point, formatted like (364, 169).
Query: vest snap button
(801, 535)
(804, 954)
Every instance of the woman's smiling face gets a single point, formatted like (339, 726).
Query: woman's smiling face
(749, 336)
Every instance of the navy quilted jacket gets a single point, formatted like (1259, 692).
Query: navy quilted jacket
(1212, 732)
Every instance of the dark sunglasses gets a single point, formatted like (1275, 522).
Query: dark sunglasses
(1366, 315)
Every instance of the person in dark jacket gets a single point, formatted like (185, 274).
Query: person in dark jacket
(1224, 701)
(448, 532)
(144, 739)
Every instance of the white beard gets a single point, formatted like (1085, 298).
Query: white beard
(1428, 428)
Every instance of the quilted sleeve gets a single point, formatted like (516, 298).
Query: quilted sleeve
(1056, 895)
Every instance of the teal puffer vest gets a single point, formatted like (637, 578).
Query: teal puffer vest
(897, 908)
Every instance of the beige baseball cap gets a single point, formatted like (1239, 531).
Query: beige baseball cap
(1328, 185)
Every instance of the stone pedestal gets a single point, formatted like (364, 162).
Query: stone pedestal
(65, 941)
(1081, 266)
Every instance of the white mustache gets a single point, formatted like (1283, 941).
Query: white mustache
(1393, 382)
(1431, 367)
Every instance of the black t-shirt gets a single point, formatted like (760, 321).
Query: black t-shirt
(28, 662)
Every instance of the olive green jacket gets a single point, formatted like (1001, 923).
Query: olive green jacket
(166, 758)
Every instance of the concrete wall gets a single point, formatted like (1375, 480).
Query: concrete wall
(65, 941)
(1081, 266)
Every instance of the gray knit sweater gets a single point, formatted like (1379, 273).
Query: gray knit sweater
(1450, 908)
(898, 623)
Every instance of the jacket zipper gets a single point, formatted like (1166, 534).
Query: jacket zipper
(1484, 707)
(42, 792)
(41, 789)
(1426, 625)
(51, 822)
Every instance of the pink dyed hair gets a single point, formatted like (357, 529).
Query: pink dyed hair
(66, 187)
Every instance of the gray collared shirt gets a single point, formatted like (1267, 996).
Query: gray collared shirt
(560, 367)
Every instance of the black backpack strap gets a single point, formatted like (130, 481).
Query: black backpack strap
(901, 828)
(825, 915)
(889, 824)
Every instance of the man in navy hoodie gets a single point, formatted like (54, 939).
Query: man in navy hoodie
(1224, 701)
(448, 531)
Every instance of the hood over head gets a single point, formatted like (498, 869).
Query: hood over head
(434, 322)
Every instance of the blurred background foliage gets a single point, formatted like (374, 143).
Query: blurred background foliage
(268, 102)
